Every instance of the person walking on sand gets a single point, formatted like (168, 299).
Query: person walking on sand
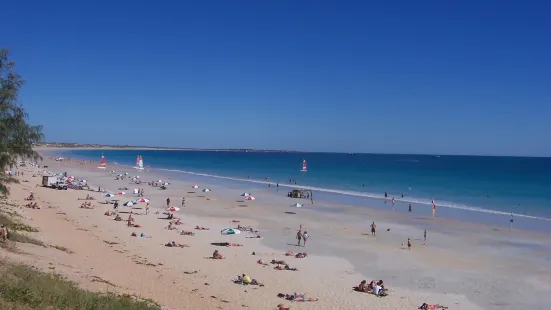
(183, 202)
(373, 227)
(305, 237)
(425, 237)
(147, 209)
(409, 244)
(299, 236)
(168, 202)
(409, 209)
(4, 231)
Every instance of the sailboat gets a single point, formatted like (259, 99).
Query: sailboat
(139, 162)
(103, 163)
(304, 168)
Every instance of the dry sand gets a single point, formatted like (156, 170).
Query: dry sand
(463, 267)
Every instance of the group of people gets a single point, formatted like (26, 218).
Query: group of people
(374, 287)
(302, 236)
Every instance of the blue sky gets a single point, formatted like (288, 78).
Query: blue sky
(447, 77)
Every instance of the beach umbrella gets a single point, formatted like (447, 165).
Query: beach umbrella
(297, 205)
(245, 194)
(160, 181)
(195, 186)
(206, 190)
(172, 209)
(250, 198)
(121, 193)
(82, 181)
(230, 231)
(142, 200)
(126, 173)
(112, 171)
(109, 195)
(129, 203)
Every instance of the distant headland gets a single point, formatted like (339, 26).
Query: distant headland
(70, 145)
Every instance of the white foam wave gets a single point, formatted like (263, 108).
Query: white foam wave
(414, 200)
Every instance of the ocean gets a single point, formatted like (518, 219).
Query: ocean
(485, 185)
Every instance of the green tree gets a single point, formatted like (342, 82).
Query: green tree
(16, 135)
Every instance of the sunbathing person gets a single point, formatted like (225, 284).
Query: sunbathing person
(177, 222)
(201, 228)
(170, 227)
(282, 307)
(363, 287)
(260, 262)
(255, 237)
(108, 213)
(232, 244)
(301, 255)
(174, 244)
(118, 218)
(426, 306)
(289, 253)
(278, 262)
(187, 233)
(217, 255)
(284, 267)
(130, 220)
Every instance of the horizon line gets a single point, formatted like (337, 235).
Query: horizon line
(74, 145)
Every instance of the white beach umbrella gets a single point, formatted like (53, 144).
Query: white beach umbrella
(230, 231)
(126, 173)
(297, 205)
(143, 200)
(250, 198)
(195, 186)
(109, 195)
(112, 171)
(172, 209)
(206, 190)
(121, 193)
(82, 181)
(129, 203)
(245, 194)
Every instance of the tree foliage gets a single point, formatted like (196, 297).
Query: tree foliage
(16, 135)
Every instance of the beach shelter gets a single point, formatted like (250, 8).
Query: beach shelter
(230, 231)
(195, 186)
(297, 205)
(250, 198)
(143, 200)
(129, 203)
(112, 171)
(172, 209)
(245, 194)
(121, 193)
(109, 195)
(206, 190)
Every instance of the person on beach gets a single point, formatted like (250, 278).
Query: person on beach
(4, 231)
(147, 209)
(305, 237)
(409, 244)
(425, 237)
(409, 209)
(373, 227)
(183, 202)
(115, 206)
(299, 236)
(392, 200)
(168, 202)
(386, 195)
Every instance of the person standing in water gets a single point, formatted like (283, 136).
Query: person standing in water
(373, 227)
(409, 209)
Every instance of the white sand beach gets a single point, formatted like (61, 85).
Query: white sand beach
(462, 266)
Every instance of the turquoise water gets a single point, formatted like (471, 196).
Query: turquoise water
(490, 185)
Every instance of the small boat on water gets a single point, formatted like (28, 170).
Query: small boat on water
(304, 167)
(103, 163)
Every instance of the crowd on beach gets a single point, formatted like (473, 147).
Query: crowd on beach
(374, 287)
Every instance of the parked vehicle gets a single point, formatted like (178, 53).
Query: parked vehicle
(48, 181)
(60, 185)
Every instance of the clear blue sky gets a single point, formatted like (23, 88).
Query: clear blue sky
(446, 77)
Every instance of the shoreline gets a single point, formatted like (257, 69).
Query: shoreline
(339, 247)
(445, 209)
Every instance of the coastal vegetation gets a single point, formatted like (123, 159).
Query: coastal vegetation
(23, 288)
(16, 135)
